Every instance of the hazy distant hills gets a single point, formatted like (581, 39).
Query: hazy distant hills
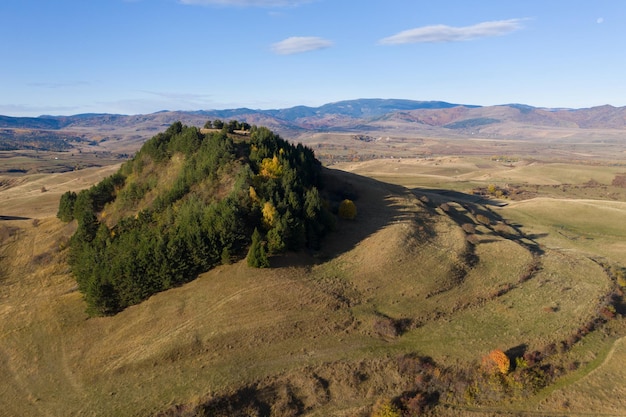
(434, 118)
(361, 112)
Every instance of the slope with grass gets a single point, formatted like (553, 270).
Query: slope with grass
(415, 273)
(577, 244)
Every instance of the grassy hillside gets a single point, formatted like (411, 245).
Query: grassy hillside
(417, 274)
(569, 211)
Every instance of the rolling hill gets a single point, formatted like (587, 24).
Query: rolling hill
(402, 306)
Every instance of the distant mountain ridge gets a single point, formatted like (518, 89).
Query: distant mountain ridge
(356, 109)
(429, 118)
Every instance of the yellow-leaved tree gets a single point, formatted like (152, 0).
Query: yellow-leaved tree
(269, 214)
(253, 195)
(271, 168)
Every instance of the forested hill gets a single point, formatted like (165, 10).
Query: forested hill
(187, 202)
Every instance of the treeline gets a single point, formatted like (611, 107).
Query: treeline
(141, 231)
(230, 126)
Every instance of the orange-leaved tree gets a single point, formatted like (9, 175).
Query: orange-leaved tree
(497, 360)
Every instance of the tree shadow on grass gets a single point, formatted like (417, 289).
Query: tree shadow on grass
(13, 218)
(377, 207)
(480, 209)
(516, 352)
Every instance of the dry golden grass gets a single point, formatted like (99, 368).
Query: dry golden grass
(24, 196)
(400, 259)
(600, 390)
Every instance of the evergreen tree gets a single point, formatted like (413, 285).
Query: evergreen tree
(66, 207)
(257, 256)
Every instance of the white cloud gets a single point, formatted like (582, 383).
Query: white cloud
(246, 3)
(600, 20)
(443, 33)
(299, 44)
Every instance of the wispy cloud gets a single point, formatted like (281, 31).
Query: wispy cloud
(443, 33)
(299, 44)
(246, 3)
(19, 110)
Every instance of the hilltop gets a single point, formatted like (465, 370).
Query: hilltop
(189, 201)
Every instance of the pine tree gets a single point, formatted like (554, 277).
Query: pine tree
(257, 256)
(66, 207)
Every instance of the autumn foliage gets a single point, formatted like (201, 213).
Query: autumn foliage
(385, 408)
(497, 360)
(271, 168)
(347, 210)
(269, 214)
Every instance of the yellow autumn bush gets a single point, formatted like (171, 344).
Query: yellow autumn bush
(347, 209)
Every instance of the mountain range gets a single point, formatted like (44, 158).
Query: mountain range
(401, 117)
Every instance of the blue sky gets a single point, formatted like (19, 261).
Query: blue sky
(66, 57)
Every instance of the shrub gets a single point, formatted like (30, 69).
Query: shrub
(347, 210)
(497, 360)
(619, 181)
(385, 327)
(620, 276)
(385, 408)
(414, 404)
